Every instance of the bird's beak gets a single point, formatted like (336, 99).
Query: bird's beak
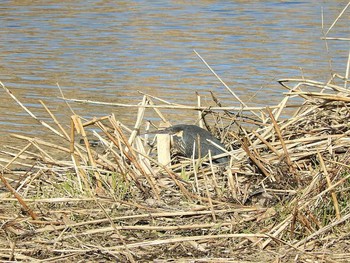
(166, 131)
(171, 133)
(158, 132)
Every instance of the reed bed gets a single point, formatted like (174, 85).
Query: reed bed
(99, 194)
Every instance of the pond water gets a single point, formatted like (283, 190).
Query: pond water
(111, 50)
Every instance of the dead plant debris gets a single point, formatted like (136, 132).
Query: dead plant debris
(103, 196)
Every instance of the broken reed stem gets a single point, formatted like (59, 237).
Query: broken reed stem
(116, 140)
(223, 83)
(12, 190)
(55, 120)
(159, 113)
(286, 154)
(158, 242)
(16, 157)
(139, 119)
(209, 198)
(150, 97)
(212, 174)
(322, 230)
(146, 228)
(273, 149)
(130, 154)
(329, 183)
(245, 146)
(95, 120)
(200, 116)
(29, 112)
(66, 102)
(347, 72)
(80, 129)
(132, 157)
(81, 174)
(169, 106)
(154, 215)
(19, 198)
(232, 186)
(337, 19)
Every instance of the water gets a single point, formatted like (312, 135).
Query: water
(111, 50)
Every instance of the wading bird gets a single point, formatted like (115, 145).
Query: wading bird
(192, 140)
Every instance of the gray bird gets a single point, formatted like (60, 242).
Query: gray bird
(186, 137)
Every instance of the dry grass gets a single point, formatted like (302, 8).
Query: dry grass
(283, 197)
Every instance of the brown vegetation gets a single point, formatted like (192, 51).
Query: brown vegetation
(283, 197)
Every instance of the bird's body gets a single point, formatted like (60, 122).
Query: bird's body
(191, 140)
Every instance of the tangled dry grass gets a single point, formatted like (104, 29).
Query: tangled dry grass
(103, 196)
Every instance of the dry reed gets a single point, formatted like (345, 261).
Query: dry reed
(283, 196)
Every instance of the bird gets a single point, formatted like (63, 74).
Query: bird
(185, 138)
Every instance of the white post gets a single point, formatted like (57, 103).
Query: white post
(163, 148)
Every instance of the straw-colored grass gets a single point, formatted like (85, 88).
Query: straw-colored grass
(103, 196)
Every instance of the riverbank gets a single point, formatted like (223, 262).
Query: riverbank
(98, 192)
